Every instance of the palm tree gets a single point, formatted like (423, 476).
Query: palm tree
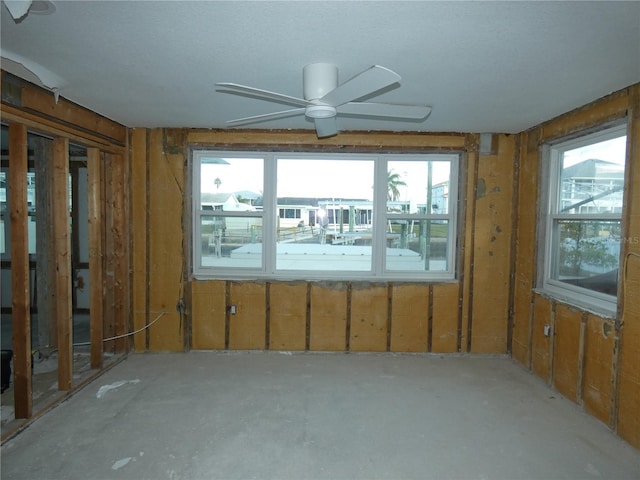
(218, 182)
(393, 182)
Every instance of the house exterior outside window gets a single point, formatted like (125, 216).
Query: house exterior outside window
(282, 215)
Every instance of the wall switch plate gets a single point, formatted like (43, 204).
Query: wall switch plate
(547, 330)
(233, 309)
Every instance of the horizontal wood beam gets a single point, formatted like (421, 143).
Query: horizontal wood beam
(372, 141)
(45, 126)
(43, 102)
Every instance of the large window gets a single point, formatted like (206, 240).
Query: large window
(583, 226)
(306, 216)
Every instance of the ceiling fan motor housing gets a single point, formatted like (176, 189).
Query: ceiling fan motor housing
(318, 79)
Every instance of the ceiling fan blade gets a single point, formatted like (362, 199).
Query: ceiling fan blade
(326, 127)
(365, 83)
(259, 93)
(266, 116)
(391, 110)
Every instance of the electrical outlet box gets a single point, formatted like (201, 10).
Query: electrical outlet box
(233, 309)
(547, 330)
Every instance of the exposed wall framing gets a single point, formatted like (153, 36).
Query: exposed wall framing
(96, 253)
(139, 200)
(64, 122)
(360, 316)
(62, 255)
(20, 301)
(591, 359)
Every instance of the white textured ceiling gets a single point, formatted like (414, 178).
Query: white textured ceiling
(483, 66)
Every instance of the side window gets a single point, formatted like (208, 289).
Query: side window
(583, 219)
(419, 215)
(229, 215)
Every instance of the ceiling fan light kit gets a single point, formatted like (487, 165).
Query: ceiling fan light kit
(320, 111)
(324, 98)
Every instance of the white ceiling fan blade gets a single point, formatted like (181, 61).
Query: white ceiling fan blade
(326, 127)
(390, 110)
(365, 83)
(18, 8)
(258, 92)
(266, 116)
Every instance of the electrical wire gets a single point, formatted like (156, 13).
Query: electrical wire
(164, 312)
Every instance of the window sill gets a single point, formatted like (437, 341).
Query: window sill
(598, 309)
(199, 276)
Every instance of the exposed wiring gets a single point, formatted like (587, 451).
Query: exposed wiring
(164, 312)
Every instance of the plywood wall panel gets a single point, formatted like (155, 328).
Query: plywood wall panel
(526, 246)
(566, 361)
(521, 331)
(409, 318)
(166, 253)
(328, 317)
(369, 319)
(247, 328)
(469, 183)
(629, 367)
(492, 248)
(288, 316)
(444, 330)
(208, 310)
(598, 361)
(541, 344)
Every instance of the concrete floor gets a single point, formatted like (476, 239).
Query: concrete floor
(44, 385)
(45, 366)
(217, 415)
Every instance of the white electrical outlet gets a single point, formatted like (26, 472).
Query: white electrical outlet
(233, 309)
(547, 330)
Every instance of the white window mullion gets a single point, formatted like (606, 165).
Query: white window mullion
(270, 214)
(197, 224)
(453, 215)
(379, 237)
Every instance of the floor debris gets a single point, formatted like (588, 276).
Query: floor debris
(121, 463)
(105, 388)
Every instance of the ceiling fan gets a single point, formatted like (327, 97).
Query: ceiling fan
(324, 99)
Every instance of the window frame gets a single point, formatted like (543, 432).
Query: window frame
(552, 153)
(270, 213)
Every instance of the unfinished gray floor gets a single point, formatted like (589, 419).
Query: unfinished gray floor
(216, 415)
